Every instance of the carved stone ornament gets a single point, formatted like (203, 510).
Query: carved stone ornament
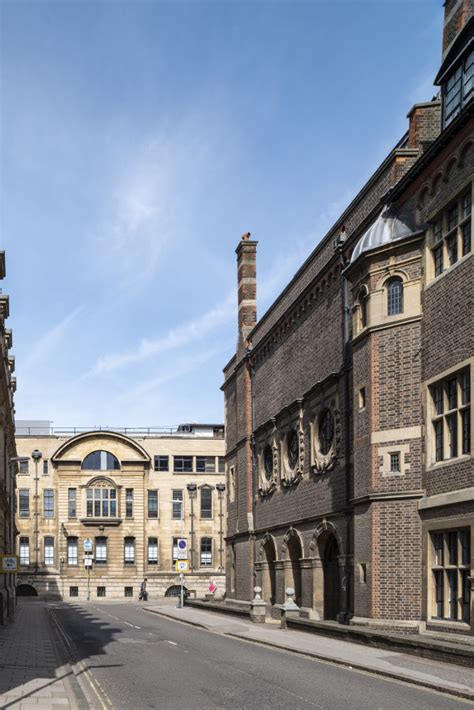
(293, 454)
(326, 434)
(267, 462)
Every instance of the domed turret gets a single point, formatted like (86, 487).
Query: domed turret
(386, 229)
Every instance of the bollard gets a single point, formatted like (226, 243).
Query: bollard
(258, 608)
(289, 608)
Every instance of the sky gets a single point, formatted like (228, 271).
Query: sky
(140, 139)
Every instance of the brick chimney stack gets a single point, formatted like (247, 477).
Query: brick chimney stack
(247, 289)
(456, 15)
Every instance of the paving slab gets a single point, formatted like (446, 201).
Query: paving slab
(444, 677)
(31, 671)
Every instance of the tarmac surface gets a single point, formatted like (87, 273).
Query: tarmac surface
(126, 655)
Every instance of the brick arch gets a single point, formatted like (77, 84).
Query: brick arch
(323, 529)
(435, 183)
(464, 152)
(291, 533)
(267, 538)
(449, 168)
(393, 272)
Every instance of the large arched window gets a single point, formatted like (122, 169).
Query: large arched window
(100, 461)
(394, 296)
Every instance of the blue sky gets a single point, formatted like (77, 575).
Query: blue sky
(139, 140)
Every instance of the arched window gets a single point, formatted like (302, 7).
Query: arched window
(100, 461)
(394, 296)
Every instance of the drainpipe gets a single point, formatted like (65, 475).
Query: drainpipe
(254, 461)
(347, 367)
(220, 487)
(36, 456)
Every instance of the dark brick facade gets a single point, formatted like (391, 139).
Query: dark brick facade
(329, 410)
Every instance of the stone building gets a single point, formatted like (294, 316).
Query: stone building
(133, 493)
(348, 404)
(7, 456)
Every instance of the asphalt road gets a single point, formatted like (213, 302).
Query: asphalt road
(141, 660)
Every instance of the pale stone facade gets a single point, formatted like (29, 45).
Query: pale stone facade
(107, 487)
(7, 457)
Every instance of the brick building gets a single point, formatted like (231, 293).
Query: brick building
(7, 456)
(348, 406)
(133, 494)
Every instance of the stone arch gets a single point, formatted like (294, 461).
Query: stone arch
(26, 590)
(325, 526)
(267, 557)
(464, 152)
(449, 168)
(328, 550)
(422, 197)
(435, 183)
(292, 552)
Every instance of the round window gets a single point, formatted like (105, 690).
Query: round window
(293, 448)
(325, 431)
(268, 461)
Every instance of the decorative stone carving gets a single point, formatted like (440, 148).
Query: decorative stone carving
(268, 464)
(292, 461)
(326, 439)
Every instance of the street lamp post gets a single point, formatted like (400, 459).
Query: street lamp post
(192, 490)
(36, 456)
(220, 487)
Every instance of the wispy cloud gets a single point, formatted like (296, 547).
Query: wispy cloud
(175, 338)
(49, 342)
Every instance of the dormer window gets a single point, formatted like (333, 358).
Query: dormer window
(458, 89)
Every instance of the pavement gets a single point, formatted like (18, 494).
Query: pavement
(435, 675)
(32, 673)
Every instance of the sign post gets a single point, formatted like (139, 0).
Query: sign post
(88, 550)
(181, 565)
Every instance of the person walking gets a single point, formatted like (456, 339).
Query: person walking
(143, 596)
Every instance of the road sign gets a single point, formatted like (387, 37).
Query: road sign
(88, 544)
(9, 563)
(87, 561)
(182, 566)
(182, 549)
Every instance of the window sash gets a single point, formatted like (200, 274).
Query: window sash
(24, 503)
(71, 503)
(206, 503)
(177, 505)
(183, 464)
(24, 551)
(129, 551)
(450, 591)
(205, 464)
(49, 550)
(161, 463)
(152, 551)
(153, 504)
(206, 552)
(101, 550)
(101, 503)
(129, 502)
(72, 557)
(48, 503)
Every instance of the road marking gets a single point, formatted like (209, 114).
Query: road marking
(136, 627)
(128, 623)
(172, 643)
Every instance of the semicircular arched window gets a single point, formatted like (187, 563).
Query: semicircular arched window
(100, 461)
(394, 296)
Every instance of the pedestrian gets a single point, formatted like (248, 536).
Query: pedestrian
(212, 587)
(143, 596)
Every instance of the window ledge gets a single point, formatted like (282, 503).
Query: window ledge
(106, 522)
(449, 623)
(436, 279)
(448, 462)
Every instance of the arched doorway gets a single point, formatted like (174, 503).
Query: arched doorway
(332, 586)
(26, 590)
(268, 572)
(295, 552)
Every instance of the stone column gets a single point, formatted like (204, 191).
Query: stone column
(306, 567)
(279, 581)
(344, 594)
(318, 587)
(259, 575)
